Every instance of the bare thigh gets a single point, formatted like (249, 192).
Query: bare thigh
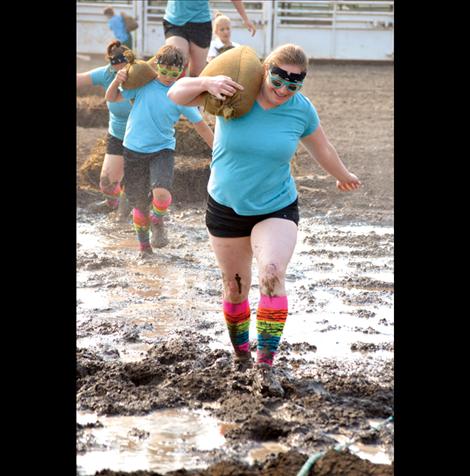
(234, 257)
(181, 43)
(113, 168)
(273, 242)
(198, 59)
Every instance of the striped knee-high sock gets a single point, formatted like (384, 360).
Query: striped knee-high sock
(112, 195)
(270, 319)
(237, 318)
(159, 209)
(142, 226)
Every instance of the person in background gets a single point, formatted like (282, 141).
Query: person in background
(118, 27)
(112, 171)
(149, 146)
(222, 33)
(252, 208)
(187, 25)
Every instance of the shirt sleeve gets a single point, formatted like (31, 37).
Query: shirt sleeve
(97, 77)
(191, 113)
(312, 119)
(212, 51)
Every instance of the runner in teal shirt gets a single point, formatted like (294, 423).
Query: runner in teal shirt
(117, 25)
(112, 171)
(180, 12)
(118, 111)
(149, 146)
(253, 175)
(252, 208)
(187, 25)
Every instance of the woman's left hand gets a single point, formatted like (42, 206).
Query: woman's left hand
(352, 183)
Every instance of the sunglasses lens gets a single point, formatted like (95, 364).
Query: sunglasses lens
(293, 87)
(276, 83)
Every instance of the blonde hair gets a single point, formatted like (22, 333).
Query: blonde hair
(288, 54)
(218, 18)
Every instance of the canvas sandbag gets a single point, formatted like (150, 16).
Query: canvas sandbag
(130, 22)
(244, 67)
(139, 72)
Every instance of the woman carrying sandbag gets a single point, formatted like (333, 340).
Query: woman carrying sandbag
(252, 205)
(117, 25)
(112, 170)
(187, 24)
(149, 146)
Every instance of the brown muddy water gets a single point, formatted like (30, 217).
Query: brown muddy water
(156, 391)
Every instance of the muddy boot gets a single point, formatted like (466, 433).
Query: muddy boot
(265, 381)
(159, 237)
(242, 362)
(123, 211)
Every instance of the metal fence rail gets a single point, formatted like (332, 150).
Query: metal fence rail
(362, 30)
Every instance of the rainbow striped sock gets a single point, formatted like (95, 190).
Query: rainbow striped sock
(237, 318)
(112, 195)
(142, 226)
(270, 319)
(159, 209)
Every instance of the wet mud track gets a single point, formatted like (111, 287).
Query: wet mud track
(151, 340)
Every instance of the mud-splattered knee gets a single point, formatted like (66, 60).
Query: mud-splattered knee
(271, 279)
(106, 186)
(235, 288)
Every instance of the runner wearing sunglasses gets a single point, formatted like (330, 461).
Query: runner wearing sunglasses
(149, 146)
(252, 206)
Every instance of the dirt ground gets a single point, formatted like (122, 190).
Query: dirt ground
(151, 341)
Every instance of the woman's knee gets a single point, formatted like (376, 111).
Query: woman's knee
(271, 279)
(107, 185)
(236, 288)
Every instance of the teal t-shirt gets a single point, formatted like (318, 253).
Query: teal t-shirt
(150, 126)
(118, 27)
(179, 12)
(250, 169)
(118, 111)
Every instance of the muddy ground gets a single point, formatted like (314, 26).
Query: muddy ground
(156, 392)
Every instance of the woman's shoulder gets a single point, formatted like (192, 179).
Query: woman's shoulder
(303, 101)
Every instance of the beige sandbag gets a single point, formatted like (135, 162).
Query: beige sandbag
(243, 66)
(139, 72)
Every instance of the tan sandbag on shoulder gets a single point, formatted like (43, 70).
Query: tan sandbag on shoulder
(139, 72)
(244, 67)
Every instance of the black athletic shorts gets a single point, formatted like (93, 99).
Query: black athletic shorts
(113, 145)
(144, 172)
(198, 33)
(224, 222)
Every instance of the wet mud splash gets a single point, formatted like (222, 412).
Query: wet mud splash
(156, 389)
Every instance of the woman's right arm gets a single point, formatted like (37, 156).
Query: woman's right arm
(188, 91)
(84, 79)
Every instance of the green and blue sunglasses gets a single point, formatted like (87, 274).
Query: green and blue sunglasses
(280, 77)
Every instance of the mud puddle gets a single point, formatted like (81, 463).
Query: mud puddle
(154, 355)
